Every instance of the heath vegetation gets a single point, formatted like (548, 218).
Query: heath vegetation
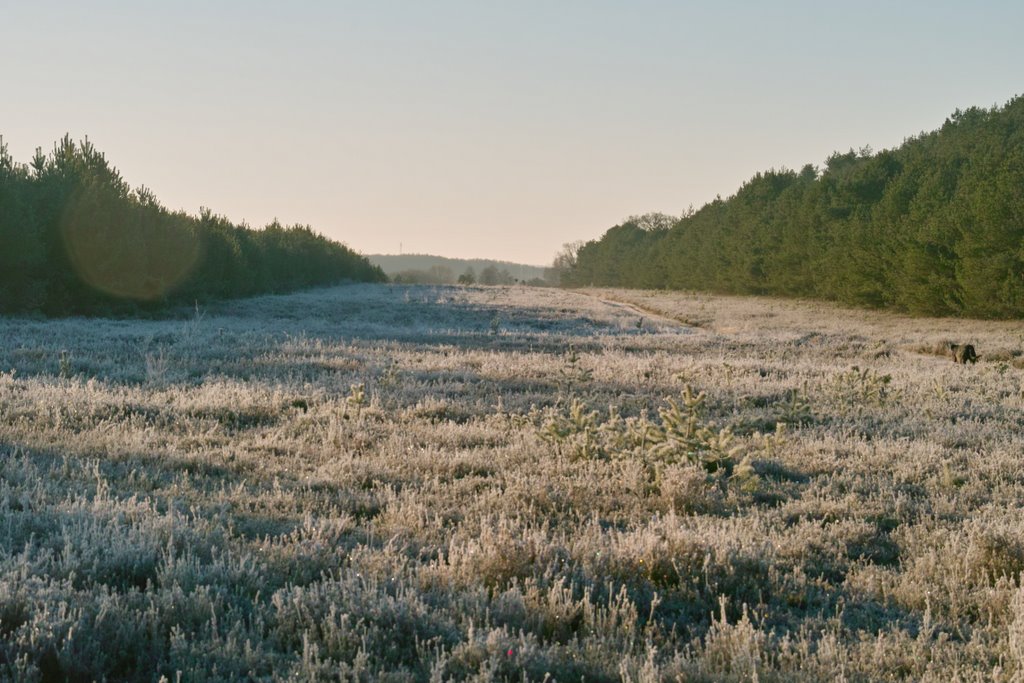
(379, 482)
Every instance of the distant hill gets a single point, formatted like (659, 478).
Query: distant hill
(428, 268)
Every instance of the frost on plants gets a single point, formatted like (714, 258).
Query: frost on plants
(378, 482)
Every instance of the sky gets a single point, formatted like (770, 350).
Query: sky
(479, 128)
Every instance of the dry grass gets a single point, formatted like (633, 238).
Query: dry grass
(431, 483)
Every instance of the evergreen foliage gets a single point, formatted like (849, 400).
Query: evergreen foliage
(933, 227)
(76, 239)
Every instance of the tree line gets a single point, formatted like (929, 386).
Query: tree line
(76, 239)
(441, 270)
(935, 226)
(443, 275)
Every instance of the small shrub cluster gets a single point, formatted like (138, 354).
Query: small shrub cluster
(680, 434)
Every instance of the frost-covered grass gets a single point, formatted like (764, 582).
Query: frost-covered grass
(432, 483)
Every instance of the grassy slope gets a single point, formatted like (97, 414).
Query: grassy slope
(375, 479)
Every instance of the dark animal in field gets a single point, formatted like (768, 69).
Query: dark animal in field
(963, 353)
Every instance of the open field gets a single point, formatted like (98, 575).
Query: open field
(428, 483)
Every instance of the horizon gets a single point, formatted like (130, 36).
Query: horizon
(493, 133)
(459, 258)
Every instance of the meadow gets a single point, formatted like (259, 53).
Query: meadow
(379, 482)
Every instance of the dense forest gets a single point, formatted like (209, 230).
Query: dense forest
(75, 239)
(933, 227)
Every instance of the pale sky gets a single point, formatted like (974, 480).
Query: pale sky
(486, 129)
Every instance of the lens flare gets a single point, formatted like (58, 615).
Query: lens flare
(116, 255)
